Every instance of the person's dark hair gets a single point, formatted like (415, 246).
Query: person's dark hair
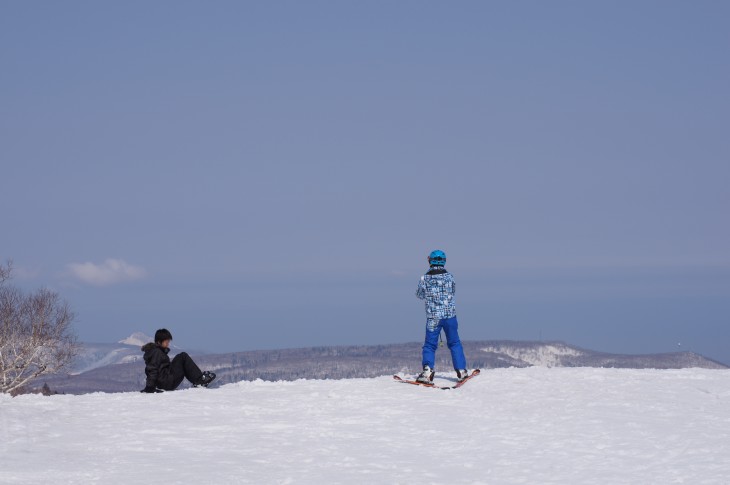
(162, 334)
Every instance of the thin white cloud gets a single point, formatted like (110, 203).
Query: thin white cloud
(109, 272)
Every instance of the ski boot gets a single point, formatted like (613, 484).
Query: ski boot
(462, 374)
(207, 378)
(426, 377)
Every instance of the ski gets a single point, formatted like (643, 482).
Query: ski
(474, 373)
(416, 383)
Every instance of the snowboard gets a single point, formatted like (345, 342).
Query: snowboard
(474, 373)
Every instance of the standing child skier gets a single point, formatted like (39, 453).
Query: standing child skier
(437, 288)
(165, 375)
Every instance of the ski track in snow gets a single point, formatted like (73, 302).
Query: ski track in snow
(507, 426)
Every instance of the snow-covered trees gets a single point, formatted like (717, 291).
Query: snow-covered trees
(35, 334)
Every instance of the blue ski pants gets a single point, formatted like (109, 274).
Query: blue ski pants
(450, 326)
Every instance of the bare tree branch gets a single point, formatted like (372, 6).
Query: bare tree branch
(36, 337)
(5, 271)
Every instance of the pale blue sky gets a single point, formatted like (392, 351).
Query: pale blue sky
(272, 174)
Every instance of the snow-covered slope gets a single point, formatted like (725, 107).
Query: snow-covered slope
(533, 425)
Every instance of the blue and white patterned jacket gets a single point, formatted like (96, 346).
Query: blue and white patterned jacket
(437, 287)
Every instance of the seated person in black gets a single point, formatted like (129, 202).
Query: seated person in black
(166, 375)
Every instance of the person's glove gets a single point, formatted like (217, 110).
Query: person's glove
(150, 389)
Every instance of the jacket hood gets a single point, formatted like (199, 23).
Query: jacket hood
(148, 346)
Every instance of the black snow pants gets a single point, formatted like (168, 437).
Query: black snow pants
(182, 367)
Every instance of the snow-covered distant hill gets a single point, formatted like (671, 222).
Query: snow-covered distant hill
(543, 355)
(137, 338)
(533, 425)
(127, 373)
(95, 355)
(560, 354)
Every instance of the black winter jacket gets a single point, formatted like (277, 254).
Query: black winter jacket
(157, 365)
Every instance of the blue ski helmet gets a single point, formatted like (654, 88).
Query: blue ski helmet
(437, 258)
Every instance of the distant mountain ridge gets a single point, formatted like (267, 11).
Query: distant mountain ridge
(560, 354)
(137, 338)
(119, 367)
(95, 355)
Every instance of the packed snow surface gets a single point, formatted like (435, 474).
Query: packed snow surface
(507, 426)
